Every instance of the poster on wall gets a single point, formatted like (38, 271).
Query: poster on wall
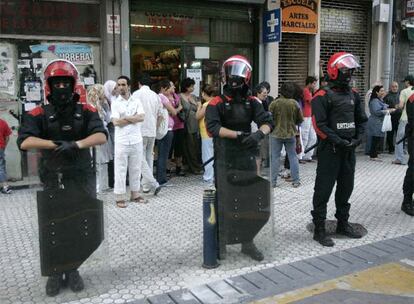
(76, 53)
(196, 75)
(7, 73)
(409, 8)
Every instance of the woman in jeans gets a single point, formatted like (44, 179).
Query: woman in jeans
(207, 148)
(286, 115)
(165, 90)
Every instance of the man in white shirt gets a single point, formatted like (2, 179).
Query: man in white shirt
(151, 104)
(127, 116)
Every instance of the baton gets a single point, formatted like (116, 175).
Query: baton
(401, 140)
(311, 147)
(208, 161)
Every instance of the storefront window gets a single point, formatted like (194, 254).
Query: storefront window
(169, 27)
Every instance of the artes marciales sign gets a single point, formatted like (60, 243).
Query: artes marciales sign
(299, 16)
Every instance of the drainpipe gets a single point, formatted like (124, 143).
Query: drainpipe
(388, 46)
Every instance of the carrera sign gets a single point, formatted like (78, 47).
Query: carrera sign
(299, 16)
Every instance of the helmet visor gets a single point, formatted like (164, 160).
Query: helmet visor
(237, 67)
(346, 61)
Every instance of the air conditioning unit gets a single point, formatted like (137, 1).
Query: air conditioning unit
(381, 13)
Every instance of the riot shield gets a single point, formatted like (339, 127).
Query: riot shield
(244, 200)
(71, 228)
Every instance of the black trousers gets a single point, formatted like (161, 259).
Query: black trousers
(334, 165)
(409, 175)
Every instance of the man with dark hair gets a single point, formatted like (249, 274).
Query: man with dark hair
(306, 129)
(287, 116)
(64, 130)
(152, 106)
(392, 99)
(127, 116)
(339, 120)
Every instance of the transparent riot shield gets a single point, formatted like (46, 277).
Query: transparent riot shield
(244, 197)
(62, 231)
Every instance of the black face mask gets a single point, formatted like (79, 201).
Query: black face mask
(61, 95)
(235, 82)
(344, 78)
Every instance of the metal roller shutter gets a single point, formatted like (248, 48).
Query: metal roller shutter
(293, 58)
(411, 59)
(346, 26)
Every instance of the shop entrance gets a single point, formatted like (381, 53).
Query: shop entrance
(176, 62)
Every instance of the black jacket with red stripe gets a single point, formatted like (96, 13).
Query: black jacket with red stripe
(44, 122)
(337, 115)
(225, 111)
(409, 129)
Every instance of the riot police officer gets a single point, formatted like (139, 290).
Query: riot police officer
(243, 198)
(70, 218)
(408, 186)
(339, 121)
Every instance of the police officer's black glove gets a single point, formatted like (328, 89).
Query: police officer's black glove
(253, 139)
(356, 142)
(69, 149)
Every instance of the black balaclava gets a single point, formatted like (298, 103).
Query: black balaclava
(60, 97)
(344, 78)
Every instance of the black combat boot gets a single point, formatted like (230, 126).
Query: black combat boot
(74, 280)
(53, 284)
(344, 228)
(251, 250)
(319, 235)
(408, 208)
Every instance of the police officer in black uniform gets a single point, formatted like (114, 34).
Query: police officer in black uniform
(408, 186)
(243, 197)
(339, 121)
(70, 217)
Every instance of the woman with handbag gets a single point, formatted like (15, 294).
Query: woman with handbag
(378, 109)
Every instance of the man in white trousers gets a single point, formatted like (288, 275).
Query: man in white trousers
(127, 116)
(152, 106)
(307, 132)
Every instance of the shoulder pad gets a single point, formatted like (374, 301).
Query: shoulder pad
(37, 111)
(411, 98)
(320, 92)
(88, 107)
(217, 100)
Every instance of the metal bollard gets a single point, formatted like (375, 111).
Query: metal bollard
(209, 230)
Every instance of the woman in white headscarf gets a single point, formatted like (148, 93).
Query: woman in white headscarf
(110, 95)
(104, 153)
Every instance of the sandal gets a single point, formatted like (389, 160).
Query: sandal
(139, 199)
(121, 204)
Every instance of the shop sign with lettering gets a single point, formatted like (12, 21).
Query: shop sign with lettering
(410, 8)
(169, 26)
(299, 16)
(28, 17)
(77, 53)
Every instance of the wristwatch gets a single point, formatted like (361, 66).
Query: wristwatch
(239, 133)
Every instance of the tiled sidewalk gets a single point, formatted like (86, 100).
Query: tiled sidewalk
(156, 248)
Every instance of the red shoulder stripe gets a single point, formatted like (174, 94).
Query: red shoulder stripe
(319, 132)
(88, 107)
(320, 92)
(37, 111)
(215, 101)
(411, 98)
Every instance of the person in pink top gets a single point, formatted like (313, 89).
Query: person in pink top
(306, 130)
(4, 139)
